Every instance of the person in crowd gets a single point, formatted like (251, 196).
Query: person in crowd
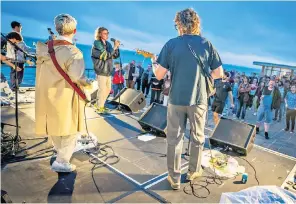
(279, 112)
(166, 88)
(117, 79)
(146, 80)
(291, 109)
(258, 95)
(223, 89)
(243, 97)
(156, 88)
(270, 99)
(139, 78)
(132, 72)
(188, 94)
(102, 55)
(58, 108)
(235, 87)
(252, 94)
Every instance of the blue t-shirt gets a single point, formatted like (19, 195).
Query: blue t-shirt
(291, 100)
(188, 86)
(235, 90)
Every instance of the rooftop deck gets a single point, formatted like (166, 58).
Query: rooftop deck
(140, 175)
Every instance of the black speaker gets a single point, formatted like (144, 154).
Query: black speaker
(240, 137)
(154, 119)
(4, 197)
(130, 99)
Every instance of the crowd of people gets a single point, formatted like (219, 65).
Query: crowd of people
(269, 98)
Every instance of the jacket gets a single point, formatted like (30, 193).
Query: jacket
(276, 99)
(131, 72)
(102, 56)
(59, 111)
(118, 77)
(156, 84)
(147, 76)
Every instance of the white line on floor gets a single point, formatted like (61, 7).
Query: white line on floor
(160, 180)
(116, 170)
(276, 153)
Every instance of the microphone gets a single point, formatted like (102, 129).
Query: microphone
(113, 40)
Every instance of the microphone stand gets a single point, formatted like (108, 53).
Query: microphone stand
(17, 138)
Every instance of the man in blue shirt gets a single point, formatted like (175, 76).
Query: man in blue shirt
(188, 97)
(291, 108)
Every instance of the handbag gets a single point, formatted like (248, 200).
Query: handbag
(63, 73)
(208, 78)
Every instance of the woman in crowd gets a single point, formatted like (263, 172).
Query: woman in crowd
(291, 109)
(258, 96)
(252, 94)
(243, 97)
(280, 110)
(235, 87)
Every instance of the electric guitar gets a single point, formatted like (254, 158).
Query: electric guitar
(144, 53)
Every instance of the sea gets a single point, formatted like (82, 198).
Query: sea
(126, 57)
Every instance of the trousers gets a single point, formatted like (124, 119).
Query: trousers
(176, 125)
(64, 145)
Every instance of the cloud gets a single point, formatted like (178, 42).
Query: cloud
(231, 51)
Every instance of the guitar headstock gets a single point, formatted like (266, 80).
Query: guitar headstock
(144, 53)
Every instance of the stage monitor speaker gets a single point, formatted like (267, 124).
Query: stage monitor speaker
(130, 99)
(240, 137)
(4, 197)
(155, 119)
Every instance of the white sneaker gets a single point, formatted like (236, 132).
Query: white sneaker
(255, 114)
(62, 167)
(234, 115)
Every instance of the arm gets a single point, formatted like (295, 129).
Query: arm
(103, 53)
(160, 68)
(215, 63)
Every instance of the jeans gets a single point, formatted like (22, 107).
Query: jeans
(290, 116)
(145, 86)
(153, 94)
(236, 104)
(242, 107)
(20, 76)
(117, 88)
(138, 84)
(280, 111)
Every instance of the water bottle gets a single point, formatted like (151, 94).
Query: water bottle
(244, 178)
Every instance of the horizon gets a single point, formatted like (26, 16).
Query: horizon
(242, 32)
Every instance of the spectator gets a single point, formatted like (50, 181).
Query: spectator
(291, 109)
(146, 80)
(279, 112)
(243, 98)
(156, 86)
(132, 72)
(139, 78)
(270, 98)
(118, 79)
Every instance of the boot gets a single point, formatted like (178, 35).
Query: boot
(266, 135)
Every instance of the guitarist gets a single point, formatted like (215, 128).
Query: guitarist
(59, 107)
(188, 94)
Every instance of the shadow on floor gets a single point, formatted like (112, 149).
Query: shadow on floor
(63, 189)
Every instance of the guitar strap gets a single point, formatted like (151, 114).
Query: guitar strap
(51, 52)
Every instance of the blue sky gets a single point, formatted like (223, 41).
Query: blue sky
(242, 32)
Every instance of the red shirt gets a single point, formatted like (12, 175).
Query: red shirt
(118, 78)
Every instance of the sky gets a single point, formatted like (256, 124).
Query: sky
(242, 32)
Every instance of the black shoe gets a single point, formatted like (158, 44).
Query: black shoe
(266, 135)
(274, 119)
(286, 129)
(279, 120)
(257, 130)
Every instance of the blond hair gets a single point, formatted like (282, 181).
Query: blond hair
(98, 32)
(188, 21)
(65, 24)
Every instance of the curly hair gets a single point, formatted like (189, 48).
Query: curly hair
(99, 31)
(188, 21)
